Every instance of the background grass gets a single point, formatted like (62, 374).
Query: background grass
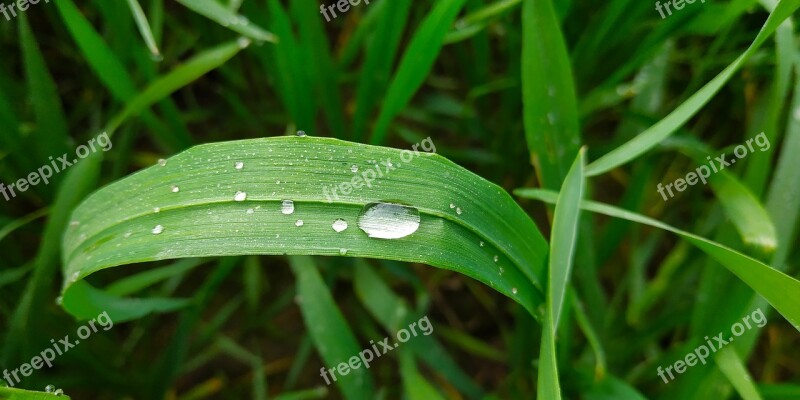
(508, 89)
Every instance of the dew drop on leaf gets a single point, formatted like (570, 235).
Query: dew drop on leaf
(388, 220)
(238, 165)
(299, 223)
(339, 225)
(240, 196)
(287, 207)
(157, 229)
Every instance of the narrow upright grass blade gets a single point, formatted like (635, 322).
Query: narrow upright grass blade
(563, 240)
(548, 94)
(144, 27)
(732, 366)
(416, 63)
(661, 130)
(51, 131)
(381, 51)
(329, 331)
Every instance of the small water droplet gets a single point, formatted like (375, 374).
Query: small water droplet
(238, 165)
(250, 211)
(175, 189)
(301, 133)
(496, 258)
(278, 182)
(157, 229)
(797, 114)
(299, 222)
(458, 210)
(162, 162)
(74, 223)
(388, 220)
(339, 225)
(240, 196)
(49, 389)
(514, 290)
(551, 118)
(60, 300)
(482, 244)
(243, 42)
(127, 235)
(58, 392)
(75, 276)
(287, 207)
(452, 205)
(156, 209)
(501, 270)
(354, 168)
(342, 251)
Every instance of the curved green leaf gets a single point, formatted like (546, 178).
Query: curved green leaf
(7, 393)
(467, 224)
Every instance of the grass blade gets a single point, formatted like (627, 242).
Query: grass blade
(218, 13)
(144, 28)
(416, 63)
(664, 128)
(176, 79)
(768, 282)
(563, 241)
(548, 94)
(329, 331)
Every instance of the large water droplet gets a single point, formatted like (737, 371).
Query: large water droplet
(339, 225)
(388, 220)
(240, 196)
(287, 207)
(157, 229)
